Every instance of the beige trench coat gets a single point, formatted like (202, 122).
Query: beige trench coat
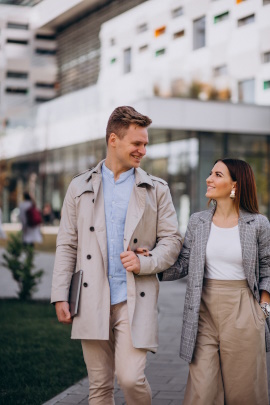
(82, 245)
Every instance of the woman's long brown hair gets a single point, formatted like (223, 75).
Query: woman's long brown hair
(246, 191)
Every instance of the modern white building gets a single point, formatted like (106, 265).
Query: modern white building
(28, 67)
(217, 49)
(166, 58)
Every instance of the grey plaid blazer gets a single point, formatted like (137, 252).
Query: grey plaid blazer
(254, 230)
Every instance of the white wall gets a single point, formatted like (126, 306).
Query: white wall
(240, 48)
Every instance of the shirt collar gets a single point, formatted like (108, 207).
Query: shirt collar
(123, 176)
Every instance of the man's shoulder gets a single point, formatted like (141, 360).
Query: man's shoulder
(157, 179)
(86, 173)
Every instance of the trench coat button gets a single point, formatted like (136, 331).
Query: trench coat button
(85, 284)
(88, 257)
(93, 200)
(135, 240)
(92, 228)
(142, 294)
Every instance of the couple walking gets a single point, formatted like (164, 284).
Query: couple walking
(120, 227)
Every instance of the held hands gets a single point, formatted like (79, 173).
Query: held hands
(62, 312)
(130, 259)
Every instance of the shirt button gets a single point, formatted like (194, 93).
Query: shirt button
(92, 228)
(88, 257)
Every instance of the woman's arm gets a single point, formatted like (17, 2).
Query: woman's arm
(264, 259)
(180, 268)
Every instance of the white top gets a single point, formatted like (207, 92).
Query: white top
(224, 254)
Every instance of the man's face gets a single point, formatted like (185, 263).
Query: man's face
(130, 150)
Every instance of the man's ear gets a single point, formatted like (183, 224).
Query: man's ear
(112, 140)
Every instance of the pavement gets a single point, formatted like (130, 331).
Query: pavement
(165, 371)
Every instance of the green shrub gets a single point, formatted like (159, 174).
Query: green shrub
(19, 259)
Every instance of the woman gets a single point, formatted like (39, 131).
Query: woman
(226, 254)
(30, 233)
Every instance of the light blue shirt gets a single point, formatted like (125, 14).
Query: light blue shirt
(116, 200)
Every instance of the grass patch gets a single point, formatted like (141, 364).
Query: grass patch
(38, 358)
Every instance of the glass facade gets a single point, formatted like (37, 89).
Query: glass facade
(182, 158)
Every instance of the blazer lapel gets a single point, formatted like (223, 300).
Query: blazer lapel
(202, 235)
(99, 217)
(247, 233)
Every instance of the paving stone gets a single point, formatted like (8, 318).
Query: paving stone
(161, 401)
(72, 399)
(168, 395)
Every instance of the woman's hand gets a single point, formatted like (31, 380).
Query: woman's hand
(143, 251)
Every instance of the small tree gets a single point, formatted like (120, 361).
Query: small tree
(19, 259)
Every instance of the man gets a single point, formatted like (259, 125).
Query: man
(108, 212)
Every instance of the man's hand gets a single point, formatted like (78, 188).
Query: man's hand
(130, 261)
(62, 312)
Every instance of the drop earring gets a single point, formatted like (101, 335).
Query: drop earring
(232, 195)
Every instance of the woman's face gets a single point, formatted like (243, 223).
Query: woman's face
(219, 183)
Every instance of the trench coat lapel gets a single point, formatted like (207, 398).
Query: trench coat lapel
(136, 204)
(99, 217)
(135, 212)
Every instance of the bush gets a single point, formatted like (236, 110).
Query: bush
(19, 259)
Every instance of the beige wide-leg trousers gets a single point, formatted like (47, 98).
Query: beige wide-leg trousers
(105, 358)
(229, 363)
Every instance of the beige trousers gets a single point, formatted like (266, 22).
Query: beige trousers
(105, 358)
(229, 362)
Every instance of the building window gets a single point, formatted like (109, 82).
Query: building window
(265, 2)
(246, 20)
(16, 90)
(17, 26)
(46, 37)
(266, 84)
(17, 75)
(143, 48)
(112, 41)
(113, 60)
(160, 52)
(199, 33)
(221, 17)
(42, 51)
(142, 28)
(246, 91)
(177, 12)
(17, 41)
(127, 60)
(239, 1)
(266, 57)
(220, 70)
(160, 31)
(42, 99)
(42, 85)
(178, 34)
